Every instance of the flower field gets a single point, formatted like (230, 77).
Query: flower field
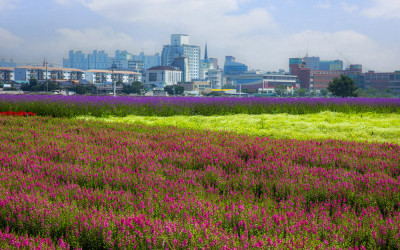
(72, 183)
(360, 127)
(100, 106)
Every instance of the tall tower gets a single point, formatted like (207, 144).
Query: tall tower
(205, 53)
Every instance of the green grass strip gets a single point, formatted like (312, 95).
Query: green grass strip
(360, 127)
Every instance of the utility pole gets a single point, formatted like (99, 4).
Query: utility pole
(47, 78)
(112, 79)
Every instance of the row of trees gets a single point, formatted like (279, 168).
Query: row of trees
(341, 87)
(34, 85)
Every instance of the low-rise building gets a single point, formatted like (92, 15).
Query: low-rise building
(161, 76)
(26, 73)
(6, 74)
(263, 83)
(197, 87)
(96, 76)
(320, 79)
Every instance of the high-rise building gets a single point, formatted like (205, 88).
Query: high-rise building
(98, 60)
(233, 69)
(76, 60)
(101, 60)
(312, 62)
(182, 63)
(149, 61)
(216, 77)
(331, 65)
(180, 47)
(10, 64)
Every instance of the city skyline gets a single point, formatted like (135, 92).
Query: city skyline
(261, 34)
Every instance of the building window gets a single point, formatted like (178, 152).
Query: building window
(152, 77)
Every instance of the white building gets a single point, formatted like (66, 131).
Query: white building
(180, 47)
(6, 74)
(162, 76)
(96, 76)
(215, 76)
(26, 73)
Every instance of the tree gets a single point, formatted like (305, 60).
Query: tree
(132, 88)
(178, 90)
(228, 86)
(324, 92)
(361, 93)
(372, 92)
(301, 92)
(82, 89)
(280, 89)
(32, 86)
(214, 93)
(343, 87)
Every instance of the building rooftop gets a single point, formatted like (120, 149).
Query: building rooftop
(115, 71)
(49, 68)
(7, 68)
(164, 68)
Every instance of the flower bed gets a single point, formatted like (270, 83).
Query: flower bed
(100, 106)
(19, 113)
(97, 185)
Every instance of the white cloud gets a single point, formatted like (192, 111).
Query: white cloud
(253, 37)
(351, 47)
(384, 9)
(8, 40)
(323, 5)
(7, 4)
(349, 7)
(87, 40)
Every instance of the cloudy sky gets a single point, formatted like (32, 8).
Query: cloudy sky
(260, 33)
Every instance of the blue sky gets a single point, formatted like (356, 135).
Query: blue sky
(263, 34)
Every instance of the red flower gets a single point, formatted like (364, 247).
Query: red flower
(19, 113)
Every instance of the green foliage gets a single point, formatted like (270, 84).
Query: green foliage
(228, 86)
(324, 92)
(174, 90)
(301, 92)
(82, 89)
(132, 88)
(214, 93)
(280, 90)
(35, 86)
(343, 87)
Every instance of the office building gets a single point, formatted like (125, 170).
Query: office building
(148, 60)
(182, 63)
(320, 79)
(161, 76)
(312, 62)
(216, 77)
(180, 47)
(233, 68)
(334, 65)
